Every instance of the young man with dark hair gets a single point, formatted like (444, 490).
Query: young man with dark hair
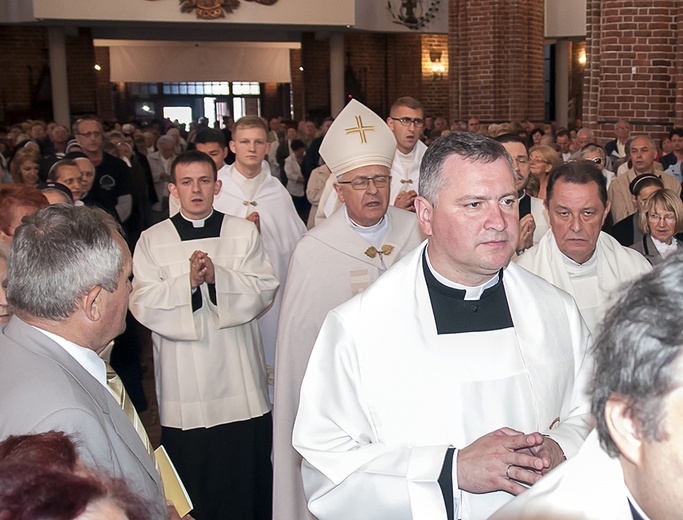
(201, 279)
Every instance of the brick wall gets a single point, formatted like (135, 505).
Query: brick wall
(379, 68)
(315, 57)
(434, 86)
(496, 59)
(23, 59)
(25, 87)
(82, 77)
(104, 88)
(634, 66)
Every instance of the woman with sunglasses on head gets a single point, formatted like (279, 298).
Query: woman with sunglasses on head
(660, 221)
(595, 153)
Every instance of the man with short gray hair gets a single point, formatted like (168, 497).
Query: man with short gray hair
(642, 152)
(456, 377)
(68, 284)
(631, 465)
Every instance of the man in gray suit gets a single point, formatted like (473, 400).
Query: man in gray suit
(68, 283)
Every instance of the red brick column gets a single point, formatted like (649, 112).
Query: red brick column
(634, 67)
(496, 59)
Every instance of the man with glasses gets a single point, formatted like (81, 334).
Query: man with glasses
(456, 377)
(112, 187)
(617, 147)
(406, 121)
(332, 262)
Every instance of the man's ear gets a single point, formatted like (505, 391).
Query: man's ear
(608, 206)
(424, 211)
(338, 188)
(173, 189)
(232, 146)
(217, 187)
(92, 304)
(623, 428)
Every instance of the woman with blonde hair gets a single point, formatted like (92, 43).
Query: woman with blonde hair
(660, 221)
(25, 166)
(542, 160)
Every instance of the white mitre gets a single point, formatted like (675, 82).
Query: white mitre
(358, 137)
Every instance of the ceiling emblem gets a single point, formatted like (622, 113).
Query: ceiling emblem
(414, 14)
(211, 9)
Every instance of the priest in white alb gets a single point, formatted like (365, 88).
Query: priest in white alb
(332, 262)
(249, 191)
(406, 121)
(575, 255)
(201, 278)
(457, 377)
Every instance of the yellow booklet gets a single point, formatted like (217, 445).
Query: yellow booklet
(173, 487)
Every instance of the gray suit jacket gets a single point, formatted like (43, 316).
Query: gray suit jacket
(646, 247)
(43, 388)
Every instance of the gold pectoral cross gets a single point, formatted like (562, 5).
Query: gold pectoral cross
(360, 130)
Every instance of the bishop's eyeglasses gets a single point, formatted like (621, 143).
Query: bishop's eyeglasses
(362, 183)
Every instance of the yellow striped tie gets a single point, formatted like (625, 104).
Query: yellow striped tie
(119, 392)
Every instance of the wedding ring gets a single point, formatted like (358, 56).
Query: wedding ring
(507, 475)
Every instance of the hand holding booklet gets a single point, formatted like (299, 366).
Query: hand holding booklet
(173, 487)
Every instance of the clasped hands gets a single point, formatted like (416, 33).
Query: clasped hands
(506, 459)
(201, 269)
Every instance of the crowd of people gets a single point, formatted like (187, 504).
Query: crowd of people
(361, 317)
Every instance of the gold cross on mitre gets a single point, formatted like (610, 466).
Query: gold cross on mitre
(360, 129)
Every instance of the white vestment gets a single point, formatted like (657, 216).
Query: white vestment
(616, 266)
(329, 202)
(329, 266)
(209, 363)
(281, 229)
(380, 404)
(541, 219)
(590, 486)
(314, 189)
(403, 179)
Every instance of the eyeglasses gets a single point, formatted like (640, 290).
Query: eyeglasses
(406, 121)
(362, 183)
(90, 135)
(596, 160)
(539, 161)
(669, 218)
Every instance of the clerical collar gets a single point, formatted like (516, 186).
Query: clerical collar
(471, 293)
(188, 231)
(373, 234)
(198, 223)
(455, 315)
